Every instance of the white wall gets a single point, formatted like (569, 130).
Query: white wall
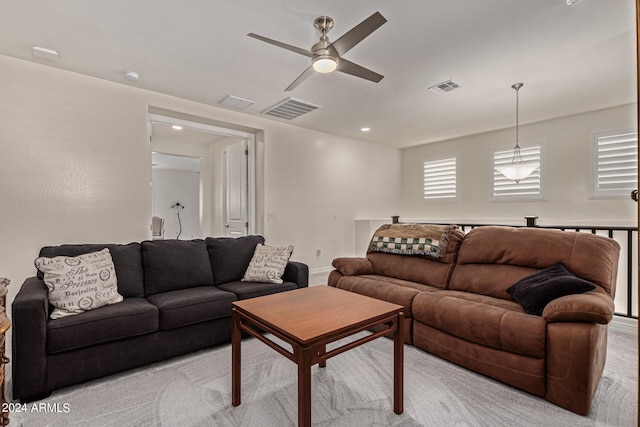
(569, 142)
(76, 167)
(317, 182)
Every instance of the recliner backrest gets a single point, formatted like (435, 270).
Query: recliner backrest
(492, 258)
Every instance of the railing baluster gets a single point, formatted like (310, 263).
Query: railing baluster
(629, 274)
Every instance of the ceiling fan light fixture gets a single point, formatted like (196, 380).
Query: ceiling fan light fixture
(325, 63)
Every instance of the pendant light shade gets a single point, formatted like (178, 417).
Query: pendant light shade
(517, 170)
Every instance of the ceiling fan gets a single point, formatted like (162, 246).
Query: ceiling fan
(326, 56)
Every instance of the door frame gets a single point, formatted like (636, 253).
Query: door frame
(219, 130)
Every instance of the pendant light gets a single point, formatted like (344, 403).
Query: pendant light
(517, 170)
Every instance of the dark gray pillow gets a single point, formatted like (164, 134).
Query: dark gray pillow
(537, 290)
(230, 256)
(127, 261)
(170, 265)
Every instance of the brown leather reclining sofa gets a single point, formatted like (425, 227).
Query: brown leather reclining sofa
(458, 308)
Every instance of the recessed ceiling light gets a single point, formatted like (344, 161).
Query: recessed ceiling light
(176, 127)
(365, 129)
(570, 2)
(132, 76)
(44, 53)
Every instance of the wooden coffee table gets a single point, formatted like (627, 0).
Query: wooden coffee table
(309, 319)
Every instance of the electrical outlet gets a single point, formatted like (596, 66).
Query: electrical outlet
(318, 252)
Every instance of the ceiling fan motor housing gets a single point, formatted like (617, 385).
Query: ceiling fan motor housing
(323, 23)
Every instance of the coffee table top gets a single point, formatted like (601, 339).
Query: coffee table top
(309, 314)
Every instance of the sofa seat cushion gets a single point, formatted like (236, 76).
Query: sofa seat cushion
(487, 321)
(245, 290)
(188, 306)
(131, 317)
(397, 291)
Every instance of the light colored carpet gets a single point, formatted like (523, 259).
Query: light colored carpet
(355, 389)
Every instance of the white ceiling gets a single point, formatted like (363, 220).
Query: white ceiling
(571, 59)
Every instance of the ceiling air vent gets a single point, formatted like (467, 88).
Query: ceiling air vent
(447, 86)
(236, 102)
(290, 109)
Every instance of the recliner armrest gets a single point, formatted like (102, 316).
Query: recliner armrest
(30, 313)
(298, 273)
(594, 307)
(351, 266)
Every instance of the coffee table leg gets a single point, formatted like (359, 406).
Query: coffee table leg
(236, 341)
(303, 360)
(321, 351)
(398, 366)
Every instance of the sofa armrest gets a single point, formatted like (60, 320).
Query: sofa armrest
(594, 307)
(349, 266)
(298, 273)
(30, 313)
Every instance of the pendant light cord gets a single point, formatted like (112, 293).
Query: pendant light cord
(517, 87)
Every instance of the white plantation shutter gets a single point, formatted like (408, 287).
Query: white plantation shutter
(616, 168)
(440, 179)
(528, 188)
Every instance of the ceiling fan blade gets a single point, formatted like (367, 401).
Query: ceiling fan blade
(358, 70)
(301, 51)
(302, 77)
(358, 33)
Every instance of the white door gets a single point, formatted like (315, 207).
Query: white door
(236, 190)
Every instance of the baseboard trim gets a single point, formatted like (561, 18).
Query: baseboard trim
(320, 270)
(625, 325)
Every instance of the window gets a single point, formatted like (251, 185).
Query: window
(528, 188)
(616, 164)
(441, 179)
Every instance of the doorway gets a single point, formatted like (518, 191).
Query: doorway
(175, 197)
(190, 139)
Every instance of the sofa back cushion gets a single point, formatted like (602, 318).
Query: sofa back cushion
(419, 268)
(170, 265)
(127, 261)
(230, 256)
(493, 258)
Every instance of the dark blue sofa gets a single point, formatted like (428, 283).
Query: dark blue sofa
(177, 299)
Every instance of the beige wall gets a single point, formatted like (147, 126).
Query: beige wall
(568, 141)
(76, 167)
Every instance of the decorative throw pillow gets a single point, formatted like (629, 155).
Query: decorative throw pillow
(81, 283)
(267, 264)
(537, 290)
